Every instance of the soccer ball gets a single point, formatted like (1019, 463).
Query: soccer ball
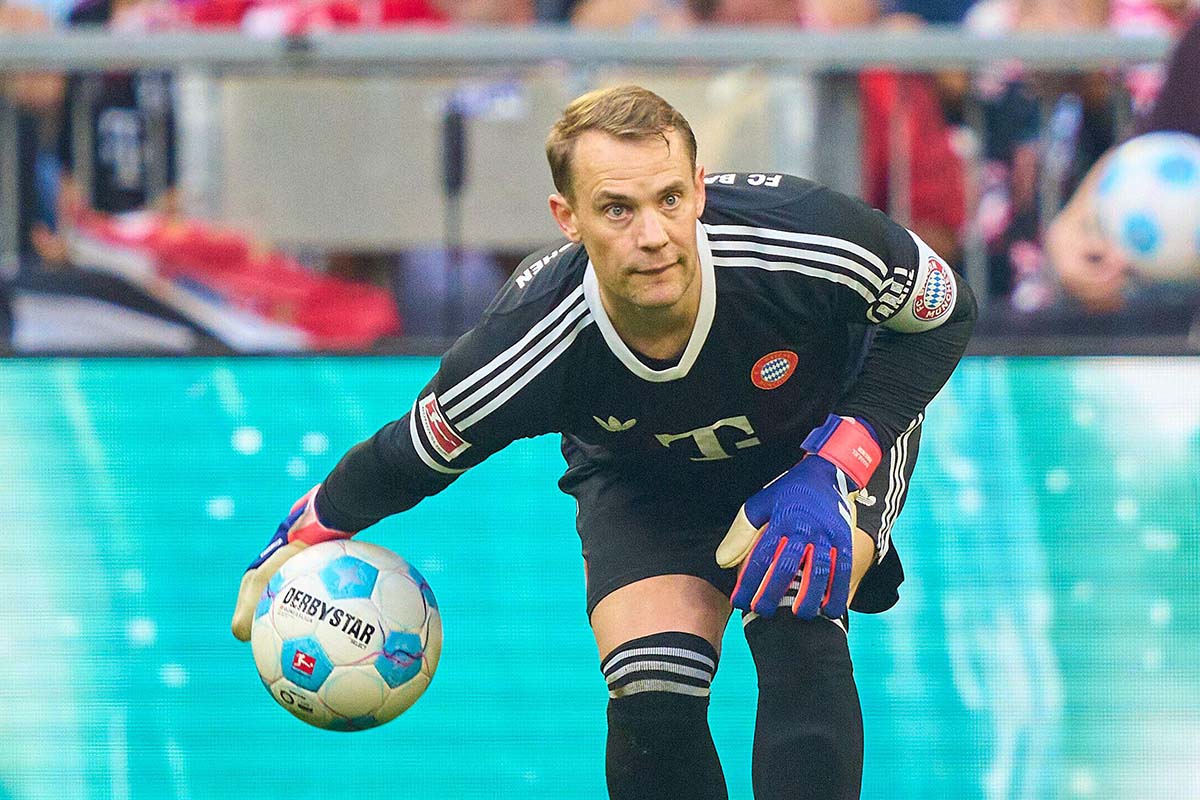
(1148, 204)
(347, 635)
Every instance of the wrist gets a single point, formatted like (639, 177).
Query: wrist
(849, 444)
(327, 516)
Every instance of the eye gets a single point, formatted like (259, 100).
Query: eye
(615, 212)
(672, 200)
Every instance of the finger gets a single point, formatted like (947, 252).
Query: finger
(776, 582)
(837, 595)
(1113, 265)
(739, 541)
(754, 569)
(813, 584)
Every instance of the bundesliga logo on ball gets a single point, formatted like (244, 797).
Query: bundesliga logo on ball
(347, 635)
(1148, 205)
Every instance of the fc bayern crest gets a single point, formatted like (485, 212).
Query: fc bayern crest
(772, 370)
(937, 295)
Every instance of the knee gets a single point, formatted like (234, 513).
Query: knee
(809, 650)
(808, 740)
(664, 678)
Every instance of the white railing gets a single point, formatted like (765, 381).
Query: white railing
(815, 52)
(807, 115)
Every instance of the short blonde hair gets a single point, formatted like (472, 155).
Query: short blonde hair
(627, 112)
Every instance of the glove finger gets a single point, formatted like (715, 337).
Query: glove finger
(777, 580)
(754, 569)
(278, 540)
(300, 505)
(837, 595)
(758, 506)
(254, 583)
(290, 520)
(739, 541)
(249, 592)
(280, 537)
(813, 583)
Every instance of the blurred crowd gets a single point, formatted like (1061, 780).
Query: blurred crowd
(970, 161)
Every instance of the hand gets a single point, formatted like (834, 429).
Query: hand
(801, 526)
(298, 530)
(1090, 268)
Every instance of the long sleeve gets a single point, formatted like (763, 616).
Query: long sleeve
(503, 380)
(904, 371)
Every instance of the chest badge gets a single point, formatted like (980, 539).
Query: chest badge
(614, 425)
(773, 370)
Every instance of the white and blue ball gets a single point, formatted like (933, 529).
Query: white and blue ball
(347, 635)
(1148, 204)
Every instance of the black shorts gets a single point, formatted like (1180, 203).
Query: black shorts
(632, 529)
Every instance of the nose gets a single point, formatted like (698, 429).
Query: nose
(652, 235)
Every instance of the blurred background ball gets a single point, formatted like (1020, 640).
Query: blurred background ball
(347, 635)
(1148, 204)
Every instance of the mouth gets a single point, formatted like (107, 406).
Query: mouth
(658, 270)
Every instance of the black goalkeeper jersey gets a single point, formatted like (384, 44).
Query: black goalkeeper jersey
(795, 282)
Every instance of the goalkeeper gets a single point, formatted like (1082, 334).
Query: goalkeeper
(694, 339)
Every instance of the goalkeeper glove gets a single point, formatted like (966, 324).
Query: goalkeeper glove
(800, 526)
(298, 530)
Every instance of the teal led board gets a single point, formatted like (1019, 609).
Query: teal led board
(1047, 643)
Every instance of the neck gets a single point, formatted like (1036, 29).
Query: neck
(656, 332)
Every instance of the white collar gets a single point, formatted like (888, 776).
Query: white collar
(704, 318)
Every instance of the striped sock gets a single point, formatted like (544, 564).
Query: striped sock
(659, 744)
(662, 662)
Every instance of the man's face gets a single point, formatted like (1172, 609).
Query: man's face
(634, 206)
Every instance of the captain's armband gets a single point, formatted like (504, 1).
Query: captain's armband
(932, 299)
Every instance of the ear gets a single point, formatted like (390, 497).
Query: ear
(564, 215)
(701, 191)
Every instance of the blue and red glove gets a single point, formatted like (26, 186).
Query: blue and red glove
(299, 529)
(801, 526)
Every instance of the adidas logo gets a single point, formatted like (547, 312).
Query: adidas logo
(614, 425)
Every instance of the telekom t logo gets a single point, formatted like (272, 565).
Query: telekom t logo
(707, 441)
